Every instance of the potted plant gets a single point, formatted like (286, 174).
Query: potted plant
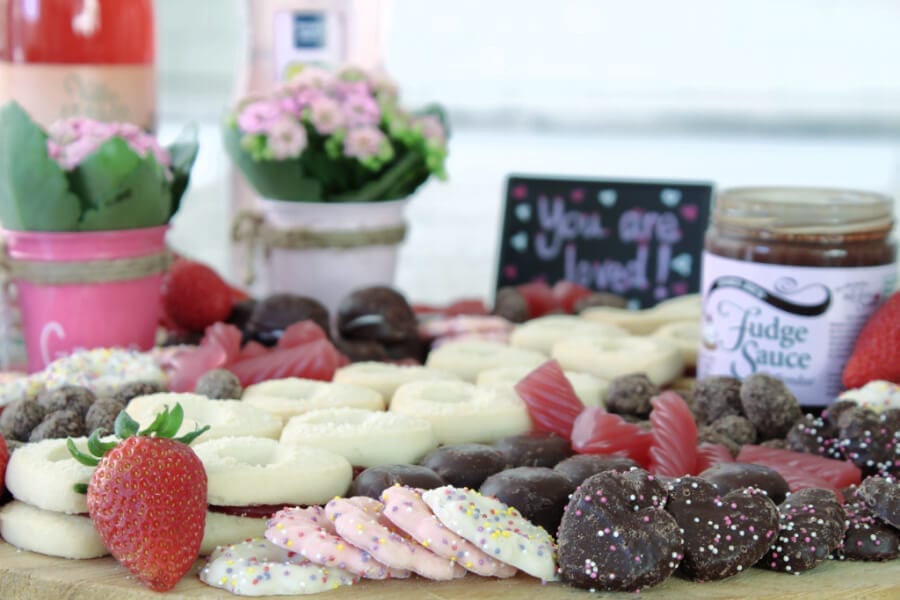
(85, 207)
(334, 158)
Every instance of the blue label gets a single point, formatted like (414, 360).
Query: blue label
(309, 30)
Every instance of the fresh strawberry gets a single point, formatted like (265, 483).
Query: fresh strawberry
(674, 449)
(877, 348)
(550, 399)
(147, 497)
(568, 293)
(4, 460)
(194, 296)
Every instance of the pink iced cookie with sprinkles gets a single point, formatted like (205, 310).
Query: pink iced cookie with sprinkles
(260, 568)
(360, 521)
(309, 533)
(404, 507)
(497, 529)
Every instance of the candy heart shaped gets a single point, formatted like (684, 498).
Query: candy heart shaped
(811, 526)
(615, 534)
(723, 535)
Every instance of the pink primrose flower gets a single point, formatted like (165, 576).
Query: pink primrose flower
(363, 142)
(258, 116)
(312, 77)
(432, 128)
(286, 139)
(361, 110)
(326, 115)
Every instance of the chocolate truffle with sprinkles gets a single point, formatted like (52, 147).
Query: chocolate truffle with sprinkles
(882, 496)
(811, 526)
(769, 405)
(871, 440)
(867, 538)
(724, 534)
(814, 435)
(616, 536)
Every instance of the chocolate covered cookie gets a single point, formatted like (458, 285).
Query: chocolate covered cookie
(867, 537)
(616, 536)
(724, 534)
(465, 465)
(728, 477)
(882, 496)
(374, 480)
(870, 440)
(535, 449)
(630, 395)
(539, 493)
(769, 405)
(581, 466)
(376, 313)
(811, 526)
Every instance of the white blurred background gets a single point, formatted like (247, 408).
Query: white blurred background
(737, 92)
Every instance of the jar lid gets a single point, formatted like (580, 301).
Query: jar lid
(802, 210)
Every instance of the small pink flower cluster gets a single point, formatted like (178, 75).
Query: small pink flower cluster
(70, 141)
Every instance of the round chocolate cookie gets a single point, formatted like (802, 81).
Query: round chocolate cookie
(275, 313)
(736, 428)
(102, 415)
(581, 466)
(539, 493)
(769, 405)
(376, 313)
(374, 480)
(630, 395)
(616, 536)
(868, 537)
(465, 465)
(724, 534)
(870, 440)
(717, 397)
(19, 418)
(72, 397)
(134, 389)
(728, 477)
(535, 449)
(63, 423)
(882, 496)
(811, 527)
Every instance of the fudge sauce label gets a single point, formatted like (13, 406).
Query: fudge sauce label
(796, 323)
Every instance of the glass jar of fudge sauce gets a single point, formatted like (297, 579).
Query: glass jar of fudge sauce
(789, 277)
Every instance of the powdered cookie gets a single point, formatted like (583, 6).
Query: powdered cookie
(611, 357)
(293, 396)
(467, 358)
(52, 533)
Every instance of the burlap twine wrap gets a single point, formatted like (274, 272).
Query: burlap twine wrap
(251, 228)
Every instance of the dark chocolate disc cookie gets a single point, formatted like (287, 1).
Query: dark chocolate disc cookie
(882, 496)
(539, 493)
(581, 466)
(724, 534)
(728, 477)
(616, 536)
(466, 465)
(374, 480)
(535, 449)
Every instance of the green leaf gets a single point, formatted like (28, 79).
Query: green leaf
(125, 426)
(276, 180)
(80, 456)
(34, 191)
(183, 153)
(172, 423)
(80, 488)
(142, 199)
(190, 437)
(97, 447)
(387, 183)
(158, 422)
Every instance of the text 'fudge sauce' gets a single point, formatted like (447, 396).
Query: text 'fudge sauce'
(790, 275)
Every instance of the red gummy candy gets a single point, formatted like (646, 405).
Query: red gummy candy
(539, 298)
(315, 360)
(220, 345)
(467, 306)
(302, 332)
(598, 432)
(710, 455)
(837, 474)
(674, 449)
(550, 398)
(568, 293)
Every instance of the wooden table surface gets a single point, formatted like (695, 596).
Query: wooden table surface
(28, 576)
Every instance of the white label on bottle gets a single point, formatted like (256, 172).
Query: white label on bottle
(308, 37)
(796, 323)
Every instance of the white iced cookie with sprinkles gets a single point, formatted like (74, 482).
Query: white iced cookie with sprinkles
(497, 529)
(461, 413)
(609, 358)
(876, 395)
(43, 474)
(590, 389)
(260, 568)
(294, 396)
(364, 437)
(540, 334)
(226, 418)
(103, 370)
(47, 532)
(385, 378)
(467, 358)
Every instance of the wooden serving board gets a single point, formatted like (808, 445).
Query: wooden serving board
(28, 576)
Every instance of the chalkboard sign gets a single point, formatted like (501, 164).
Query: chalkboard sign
(638, 239)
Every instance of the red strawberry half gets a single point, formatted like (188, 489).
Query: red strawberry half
(194, 296)
(876, 354)
(550, 398)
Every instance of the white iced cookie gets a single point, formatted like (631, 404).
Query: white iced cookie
(608, 358)
(498, 530)
(648, 320)
(461, 412)
(385, 378)
(365, 438)
(542, 333)
(44, 474)
(260, 568)
(293, 396)
(467, 358)
(103, 370)
(685, 335)
(877, 395)
(590, 389)
(249, 471)
(47, 532)
(221, 529)
(226, 418)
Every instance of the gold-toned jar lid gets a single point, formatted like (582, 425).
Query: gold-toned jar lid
(792, 211)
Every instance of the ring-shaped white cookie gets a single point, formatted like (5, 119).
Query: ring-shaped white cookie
(44, 474)
(466, 358)
(685, 335)
(47, 532)
(540, 334)
(221, 530)
(608, 358)
(385, 378)
(294, 396)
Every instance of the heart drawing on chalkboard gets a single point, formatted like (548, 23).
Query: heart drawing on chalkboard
(670, 197)
(607, 198)
(679, 288)
(520, 192)
(689, 212)
(523, 212)
(519, 241)
(682, 264)
(511, 271)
